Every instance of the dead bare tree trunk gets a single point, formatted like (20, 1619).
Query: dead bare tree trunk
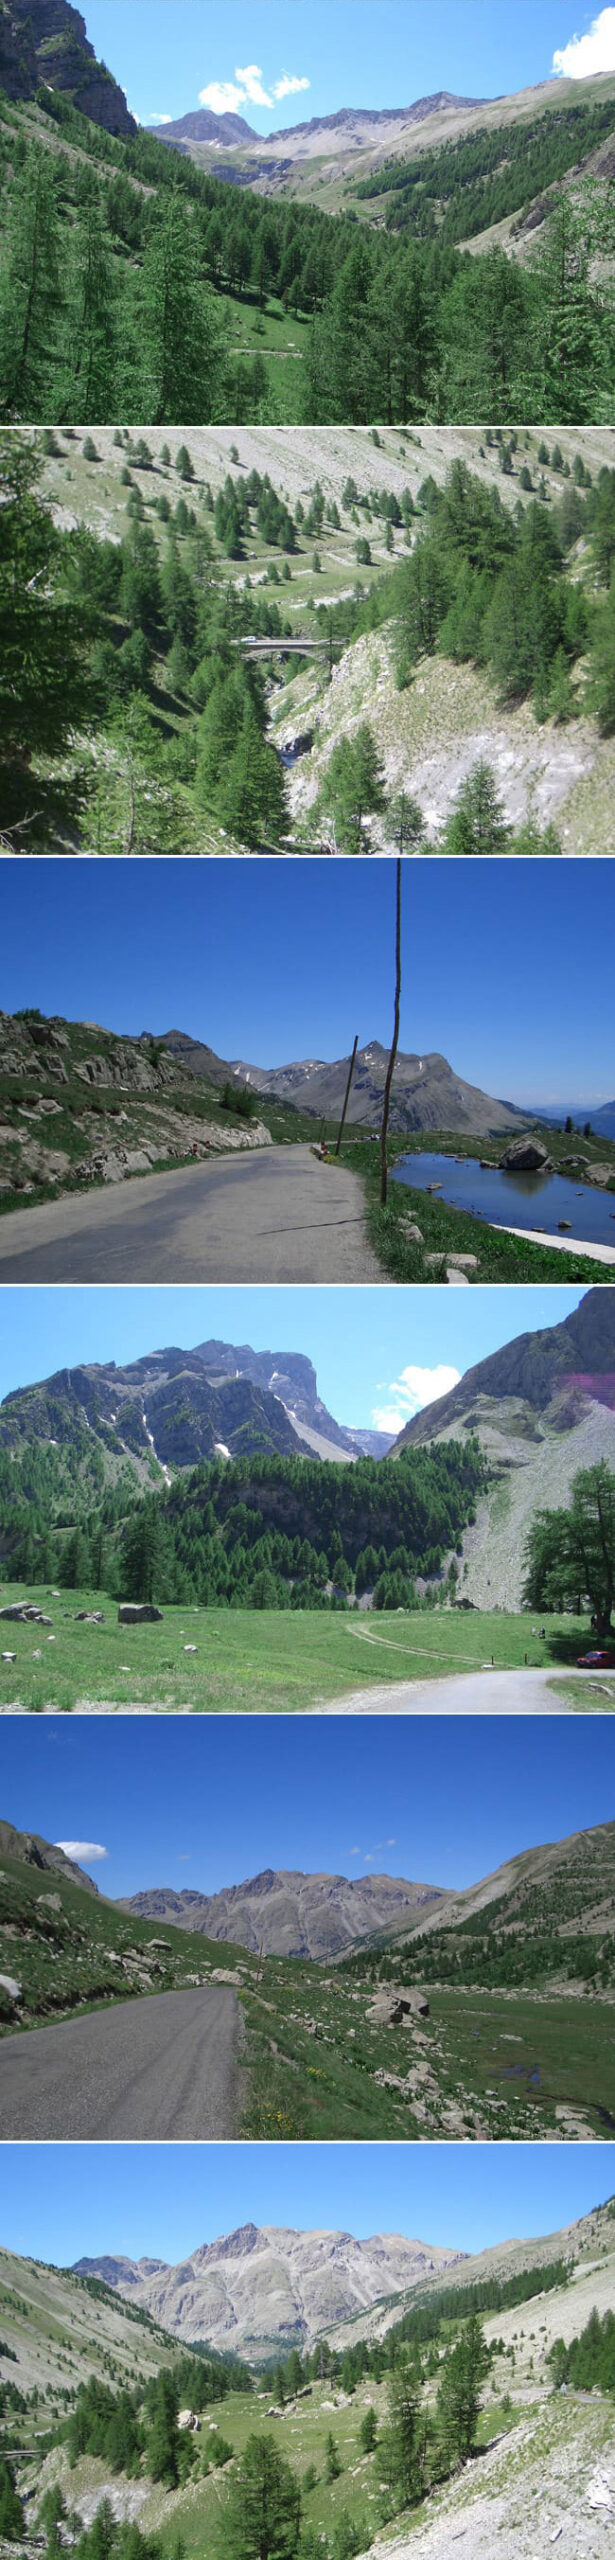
(347, 1094)
(394, 1045)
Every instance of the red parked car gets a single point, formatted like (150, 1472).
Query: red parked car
(596, 1661)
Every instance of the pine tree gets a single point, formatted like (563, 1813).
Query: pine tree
(44, 683)
(400, 2456)
(262, 2520)
(477, 824)
(459, 2393)
(12, 2523)
(182, 333)
(89, 387)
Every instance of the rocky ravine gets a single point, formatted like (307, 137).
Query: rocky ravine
(256, 2287)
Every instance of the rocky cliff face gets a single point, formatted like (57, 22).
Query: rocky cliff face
(221, 1400)
(555, 1369)
(44, 43)
(294, 1914)
(543, 1408)
(255, 2290)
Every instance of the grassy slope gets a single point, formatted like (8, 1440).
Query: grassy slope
(61, 2332)
(65, 1958)
(251, 1661)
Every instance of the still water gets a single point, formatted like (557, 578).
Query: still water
(535, 1200)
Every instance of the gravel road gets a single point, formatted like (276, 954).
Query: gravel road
(275, 1215)
(473, 1693)
(162, 2069)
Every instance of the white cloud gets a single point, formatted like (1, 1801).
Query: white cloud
(161, 119)
(391, 1844)
(288, 86)
(223, 97)
(252, 80)
(85, 1851)
(368, 1858)
(595, 51)
(411, 1392)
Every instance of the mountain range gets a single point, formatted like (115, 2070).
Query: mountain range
(290, 1914)
(427, 1093)
(44, 44)
(349, 128)
(180, 1407)
(255, 2288)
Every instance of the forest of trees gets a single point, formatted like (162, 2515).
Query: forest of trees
(588, 2362)
(262, 1533)
(115, 263)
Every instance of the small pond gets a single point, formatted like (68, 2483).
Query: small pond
(531, 1200)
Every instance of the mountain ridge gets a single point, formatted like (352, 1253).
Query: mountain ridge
(260, 2286)
(284, 1911)
(427, 1093)
(181, 1407)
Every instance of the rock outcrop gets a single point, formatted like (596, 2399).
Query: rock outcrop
(44, 45)
(526, 1155)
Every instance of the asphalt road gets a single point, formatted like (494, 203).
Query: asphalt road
(471, 1693)
(275, 1215)
(162, 2069)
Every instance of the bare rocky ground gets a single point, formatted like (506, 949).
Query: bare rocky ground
(430, 736)
(550, 2482)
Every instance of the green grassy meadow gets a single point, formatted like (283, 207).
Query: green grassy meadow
(253, 1661)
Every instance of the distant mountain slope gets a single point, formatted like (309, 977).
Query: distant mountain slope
(427, 1092)
(44, 43)
(202, 126)
(292, 1914)
(543, 1407)
(258, 2288)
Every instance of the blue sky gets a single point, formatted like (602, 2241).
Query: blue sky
(440, 1801)
(356, 53)
(145, 2200)
(272, 960)
(380, 1354)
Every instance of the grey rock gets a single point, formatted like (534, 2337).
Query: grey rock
(526, 1155)
(134, 1613)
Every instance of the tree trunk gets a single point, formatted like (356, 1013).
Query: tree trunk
(347, 1094)
(393, 1054)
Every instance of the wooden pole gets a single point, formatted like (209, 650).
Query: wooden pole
(394, 1044)
(347, 1094)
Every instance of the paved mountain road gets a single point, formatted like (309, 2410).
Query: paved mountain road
(272, 1215)
(162, 2069)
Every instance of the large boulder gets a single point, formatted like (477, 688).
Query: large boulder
(26, 1614)
(526, 1155)
(133, 1613)
(394, 2005)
